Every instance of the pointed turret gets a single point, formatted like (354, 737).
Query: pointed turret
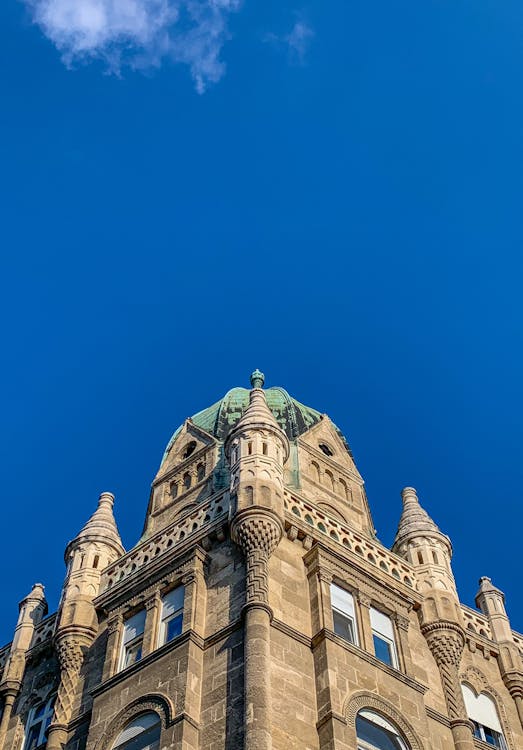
(257, 449)
(32, 609)
(423, 544)
(101, 527)
(97, 545)
(491, 601)
(415, 522)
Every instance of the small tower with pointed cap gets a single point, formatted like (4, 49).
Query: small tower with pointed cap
(31, 610)
(420, 541)
(97, 545)
(257, 449)
(491, 601)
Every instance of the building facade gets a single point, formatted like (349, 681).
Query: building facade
(259, 610)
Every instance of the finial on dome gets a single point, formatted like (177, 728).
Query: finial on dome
(257, 379)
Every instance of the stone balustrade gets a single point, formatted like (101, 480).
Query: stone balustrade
(476, 623)
(191, 523)
(306, 514)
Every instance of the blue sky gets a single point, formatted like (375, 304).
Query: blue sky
(330, 191)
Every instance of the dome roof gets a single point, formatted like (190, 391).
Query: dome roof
(293, 417)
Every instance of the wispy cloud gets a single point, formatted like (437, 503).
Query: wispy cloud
(297, 41)
(139, 33)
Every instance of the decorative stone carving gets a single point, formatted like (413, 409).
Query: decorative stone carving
(446, 642)
(371, 701)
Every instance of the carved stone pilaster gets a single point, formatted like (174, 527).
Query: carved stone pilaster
(446, 642)
(258, 534)
(71, 653)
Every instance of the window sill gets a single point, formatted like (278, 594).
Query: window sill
(330, 635)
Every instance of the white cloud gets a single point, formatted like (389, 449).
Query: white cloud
(296, 42)
(139, 33)
(299, 39)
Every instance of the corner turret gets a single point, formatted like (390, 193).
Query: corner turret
(31, 610)
(420, 541)
(97, 545)
(491, 601)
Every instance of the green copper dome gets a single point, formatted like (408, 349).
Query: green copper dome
(294, 418)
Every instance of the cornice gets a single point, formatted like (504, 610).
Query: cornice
(367, 578)
(135, 587)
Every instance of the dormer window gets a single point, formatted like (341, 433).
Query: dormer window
(189, 449)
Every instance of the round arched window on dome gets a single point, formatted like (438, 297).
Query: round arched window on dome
(142, 733)
(189, 449)
(374, 732)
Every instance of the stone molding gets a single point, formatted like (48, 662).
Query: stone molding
(156, 702)
(364, 699)
(173, 571)
(322, 561)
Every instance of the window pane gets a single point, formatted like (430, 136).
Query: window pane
(172, 602)
(173, 627)
(382, 650)
(134, 626)
(32, 737)
(141, 734)
(377, 736)
(343, 626)
(133, 653)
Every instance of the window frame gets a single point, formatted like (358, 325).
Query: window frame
(388, 639)
(44, 720)
(165, 619)
(351, 617)
(132, 643)
(125, 743)
(383, 722)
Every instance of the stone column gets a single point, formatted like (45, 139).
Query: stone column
(112, 651)
(446, 642)
(150, 634)
(9, 699)
(364, 626)
(70, 649)
(515, 687)
(258, 534)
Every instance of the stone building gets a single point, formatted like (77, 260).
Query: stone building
(258, 610)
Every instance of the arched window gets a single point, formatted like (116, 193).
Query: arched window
(374, 732)
(187, 480)
(482, 711)
(37, 722)
(201, 472)
(142, 733)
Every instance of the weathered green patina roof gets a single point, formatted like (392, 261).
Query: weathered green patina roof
(294, 418)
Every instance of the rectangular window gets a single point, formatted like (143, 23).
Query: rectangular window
(383, 638)
(343, 614)
(172, 615)
(132, 639)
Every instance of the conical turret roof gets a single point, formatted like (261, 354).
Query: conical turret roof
(415, 521)
(101, 526)
(257, 415)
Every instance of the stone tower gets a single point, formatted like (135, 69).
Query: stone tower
(259, 611)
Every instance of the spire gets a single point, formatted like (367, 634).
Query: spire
(487, 587)
(415, 521)
(101, 526)
(258, 412)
